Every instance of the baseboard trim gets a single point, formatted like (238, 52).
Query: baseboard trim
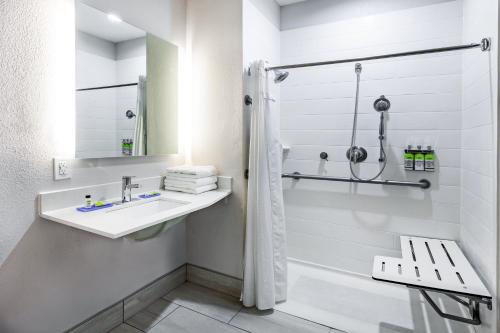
(214, 280)
(119, 312)
(116, 314)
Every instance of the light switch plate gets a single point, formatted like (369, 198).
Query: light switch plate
(62, 169)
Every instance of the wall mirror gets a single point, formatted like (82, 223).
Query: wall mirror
(126, 88)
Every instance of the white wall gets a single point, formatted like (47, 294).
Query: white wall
(479, 146)
(52, 276)
(261, 36)
(342, 225)
(261, 41)
(314, 12)
(215, 236)
(269, 9)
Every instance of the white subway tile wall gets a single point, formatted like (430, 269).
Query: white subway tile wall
(95, 109)
(101, 120)
(478, 235)
(344, 225)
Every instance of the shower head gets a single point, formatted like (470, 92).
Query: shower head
(382, 104)
(280, 76)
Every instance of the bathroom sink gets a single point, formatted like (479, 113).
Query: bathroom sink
(144, 208)
(139, 219)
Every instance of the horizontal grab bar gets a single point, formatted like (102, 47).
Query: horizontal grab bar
(423, 183)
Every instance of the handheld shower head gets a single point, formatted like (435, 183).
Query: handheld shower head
(280, 76)
(382, 104)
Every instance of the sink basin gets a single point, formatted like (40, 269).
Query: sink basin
(140, 219)
(141, 209)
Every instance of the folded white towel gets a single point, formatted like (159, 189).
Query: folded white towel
(196, 190)
(189, 182)
(193, 171)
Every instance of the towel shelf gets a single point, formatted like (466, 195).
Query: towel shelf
(423, 183)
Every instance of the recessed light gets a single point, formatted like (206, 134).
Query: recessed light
(114, 18)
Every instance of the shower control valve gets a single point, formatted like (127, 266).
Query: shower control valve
(324, 156)
(356, 154)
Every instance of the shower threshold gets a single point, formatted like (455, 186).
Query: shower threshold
(356, 303)
(438, 266)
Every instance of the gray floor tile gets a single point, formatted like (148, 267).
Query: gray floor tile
(257, 321)
(149, 317)
(184, 320)
(146, 296)
(124, 328)
(162, 307)
(213, 304)
(102, 322)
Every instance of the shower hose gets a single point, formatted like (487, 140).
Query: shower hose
(353, 136)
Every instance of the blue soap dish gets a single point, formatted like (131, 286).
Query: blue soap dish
(147, 195)
(93, 208)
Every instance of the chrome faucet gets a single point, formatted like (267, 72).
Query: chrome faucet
(127, 186)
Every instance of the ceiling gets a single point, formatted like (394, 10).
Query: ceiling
(95, 22)
(288, 2)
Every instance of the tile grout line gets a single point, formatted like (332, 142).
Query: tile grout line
(304, 319)
(131, 325)
(154, 314)
(178, 306)
(239, 311)
(205, 315)
(230, 320)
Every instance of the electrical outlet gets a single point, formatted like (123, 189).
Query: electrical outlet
(62, 169)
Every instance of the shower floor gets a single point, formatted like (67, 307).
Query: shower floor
(357, 304)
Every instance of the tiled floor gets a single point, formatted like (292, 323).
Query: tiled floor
(191, 308)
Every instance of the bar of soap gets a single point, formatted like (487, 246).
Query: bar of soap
(99, 203)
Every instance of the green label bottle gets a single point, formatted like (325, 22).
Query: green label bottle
(409, 159)
(429, 159)
(419, 159)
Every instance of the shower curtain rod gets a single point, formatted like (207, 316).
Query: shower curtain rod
(108, 87)
(423, 183)
(485, 45)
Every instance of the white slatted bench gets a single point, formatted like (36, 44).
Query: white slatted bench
(439, 266)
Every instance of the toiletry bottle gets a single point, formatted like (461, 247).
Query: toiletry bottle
(128, 148)
(124, 147)
(88, 201)
(429, 159)
(131, 147)
(419, 159)
(409, 159)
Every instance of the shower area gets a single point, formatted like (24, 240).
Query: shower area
(350, 127)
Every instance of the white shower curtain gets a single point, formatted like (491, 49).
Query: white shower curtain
(265, 274)
(139, 147)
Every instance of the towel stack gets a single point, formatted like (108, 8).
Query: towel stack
(191, 179)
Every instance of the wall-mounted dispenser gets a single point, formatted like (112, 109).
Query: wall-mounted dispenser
(419, 159)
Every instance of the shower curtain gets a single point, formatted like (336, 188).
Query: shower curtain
(139, 147)
(265, 267)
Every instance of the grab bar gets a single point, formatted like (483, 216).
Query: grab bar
(423, 183)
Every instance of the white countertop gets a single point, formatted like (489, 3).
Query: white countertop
(115, 222)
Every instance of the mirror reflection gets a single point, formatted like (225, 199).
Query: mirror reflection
(126, 88)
